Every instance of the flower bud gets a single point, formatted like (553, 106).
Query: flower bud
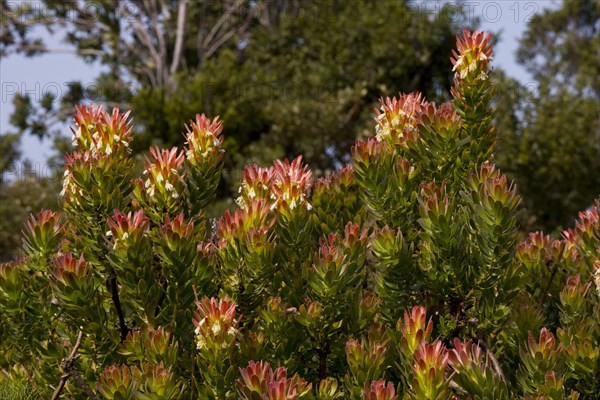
(10, 282)
(429, 370)
(179, 243)
(415, 330)
(41, 234)
(158, 382)
(328, 390)
(119, 382)
(258, 380)
(379, 390)
(150, 345)
(69, 270)
(539, 357)
(366, 360)
(573, 300)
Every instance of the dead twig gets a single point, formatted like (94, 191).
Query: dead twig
(68, 365)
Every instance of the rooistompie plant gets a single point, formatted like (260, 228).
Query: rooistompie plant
(401, 276)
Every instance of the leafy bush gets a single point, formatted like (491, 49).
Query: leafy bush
(400, 276)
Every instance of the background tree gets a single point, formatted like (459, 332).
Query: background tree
(550, 137)
(308, 84)
(22, 191)
(316, 68)
(140, 43)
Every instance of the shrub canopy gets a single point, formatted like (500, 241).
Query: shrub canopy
(399, 276)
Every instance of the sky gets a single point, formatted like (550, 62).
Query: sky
(52, 72)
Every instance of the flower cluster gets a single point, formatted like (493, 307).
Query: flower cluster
(204, 140)
(291, 185)
(398, 118)
(285, 186)
(474, 55)
(256, 184)
(216, 326)
(163, 173)
(98, 137)
(164, 185)
(128, 229)
(98, 132)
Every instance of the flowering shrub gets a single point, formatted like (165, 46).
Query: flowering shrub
(400, 276)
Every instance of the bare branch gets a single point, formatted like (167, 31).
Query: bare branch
(42, 48)
(180, 34)
(67, 365)
(221, 22)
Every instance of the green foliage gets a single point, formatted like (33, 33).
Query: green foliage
(400, 276)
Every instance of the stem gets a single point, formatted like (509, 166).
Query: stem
(547, 289)
(68, 365)
(492, 358)
(323, 361)
(114, 293)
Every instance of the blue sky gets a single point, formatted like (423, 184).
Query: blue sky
(53, 71)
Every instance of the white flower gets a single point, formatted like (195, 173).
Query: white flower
(216, 328)
(159, 177)
(175, 195)
(251, 193)
(200, 343)
(240, 202)
(108, 234)
(169, 187)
